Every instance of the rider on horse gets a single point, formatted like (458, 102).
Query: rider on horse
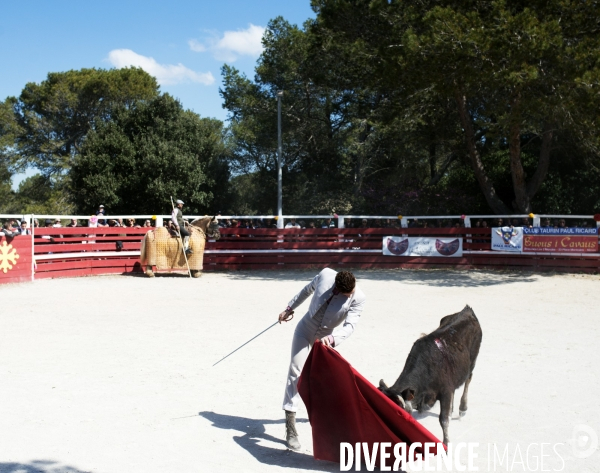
(177, 219)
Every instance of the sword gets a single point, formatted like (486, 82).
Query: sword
(268, 328)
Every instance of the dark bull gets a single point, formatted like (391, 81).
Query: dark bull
(437, 365)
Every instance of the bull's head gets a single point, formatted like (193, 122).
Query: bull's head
(403, 399)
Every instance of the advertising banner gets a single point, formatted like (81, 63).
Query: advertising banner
(507, 239)
(422, 246)
(560, 240)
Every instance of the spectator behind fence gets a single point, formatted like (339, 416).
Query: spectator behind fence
(292, 224)
(72, 223)
(57, 223)
(48, 224)
(36, 223)
(147, 224)
(101, 213)
(24, 228)
(9, 230)
(328, 224)
(477, 225)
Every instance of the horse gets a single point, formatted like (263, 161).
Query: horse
(163, 250)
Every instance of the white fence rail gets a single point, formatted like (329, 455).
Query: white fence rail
(341, 219)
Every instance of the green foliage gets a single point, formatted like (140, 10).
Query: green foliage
(8, 130)
(55, 116)
(527, 77)
(147, 153)
(388, 107)
(41, 195)
(6, 193)
(343, 141)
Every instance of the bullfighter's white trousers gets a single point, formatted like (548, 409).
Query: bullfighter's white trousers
(307, 331)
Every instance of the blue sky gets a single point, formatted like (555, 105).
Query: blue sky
(183, 43)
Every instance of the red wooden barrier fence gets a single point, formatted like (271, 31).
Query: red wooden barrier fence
(362, 248)
(82, 251)
(16, 259)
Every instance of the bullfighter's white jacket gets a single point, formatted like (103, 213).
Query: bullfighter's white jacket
(342, 310)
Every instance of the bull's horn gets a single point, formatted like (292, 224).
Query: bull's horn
(383, 387)
(401, 401)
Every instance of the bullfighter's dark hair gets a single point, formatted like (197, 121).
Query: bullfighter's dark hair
(345, 281)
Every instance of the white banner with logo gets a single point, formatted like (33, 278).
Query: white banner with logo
(507, 239)
(422, 246)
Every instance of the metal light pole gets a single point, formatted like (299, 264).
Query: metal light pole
(279, 163)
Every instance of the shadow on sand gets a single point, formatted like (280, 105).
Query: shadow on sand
(38, 466)
(432, 277)
(254, 431)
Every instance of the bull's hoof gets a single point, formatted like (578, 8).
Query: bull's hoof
(197, 274)
(149, 273)
(462, 413)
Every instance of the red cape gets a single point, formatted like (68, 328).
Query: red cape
(344, 407)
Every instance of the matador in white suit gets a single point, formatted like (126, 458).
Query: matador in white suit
(336, 304)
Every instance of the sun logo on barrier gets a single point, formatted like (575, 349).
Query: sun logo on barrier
(8, 257)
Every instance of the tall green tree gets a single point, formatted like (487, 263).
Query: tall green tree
(8, 130)
(40, 195)
(344, 140)
(54, 116)
(314, 125)
(133, 163)
(520, 75)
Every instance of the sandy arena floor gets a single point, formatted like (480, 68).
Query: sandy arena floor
(113, 374)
